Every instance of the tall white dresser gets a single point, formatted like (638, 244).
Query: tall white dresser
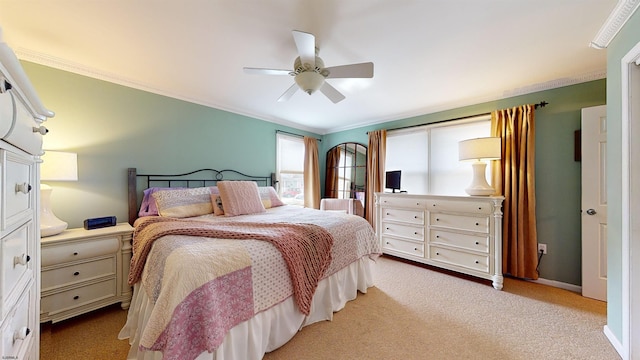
(21, 131)
(458, 233)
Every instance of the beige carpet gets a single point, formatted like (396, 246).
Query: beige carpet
(412, 313)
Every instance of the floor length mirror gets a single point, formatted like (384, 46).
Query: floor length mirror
(346, 175)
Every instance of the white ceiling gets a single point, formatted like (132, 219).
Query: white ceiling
(429, 55)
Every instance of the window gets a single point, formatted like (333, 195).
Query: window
(428, 155)
(290, 168)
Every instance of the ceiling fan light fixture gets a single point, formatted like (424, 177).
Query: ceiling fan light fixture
(309, 81)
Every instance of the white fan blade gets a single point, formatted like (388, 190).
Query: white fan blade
(362, 70)
(306, 44)
(259, 71)
(289, 93)
(331, 92)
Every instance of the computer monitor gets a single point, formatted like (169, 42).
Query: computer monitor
(392, 180)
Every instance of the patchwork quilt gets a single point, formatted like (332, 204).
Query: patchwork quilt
(207, 274)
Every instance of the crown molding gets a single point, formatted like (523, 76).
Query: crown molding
(616, 20)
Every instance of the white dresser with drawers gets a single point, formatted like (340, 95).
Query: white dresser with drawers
(458, 233)
(21, 131)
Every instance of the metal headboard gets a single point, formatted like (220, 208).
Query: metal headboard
(137, 183)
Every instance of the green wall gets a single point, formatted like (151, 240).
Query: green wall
(624, 41)
(113, 127)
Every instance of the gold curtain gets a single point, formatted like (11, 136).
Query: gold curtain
(311, 174)
(375, 170)
(515, 179)
(331, 178)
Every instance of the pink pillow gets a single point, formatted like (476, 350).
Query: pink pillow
(240, 198)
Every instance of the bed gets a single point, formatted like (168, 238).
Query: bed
(221, 269)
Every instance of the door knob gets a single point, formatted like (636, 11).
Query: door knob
(591, 212)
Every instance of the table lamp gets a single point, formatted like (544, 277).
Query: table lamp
(56, 166)
(479, 150)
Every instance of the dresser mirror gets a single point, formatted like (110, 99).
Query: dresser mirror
(346, 175)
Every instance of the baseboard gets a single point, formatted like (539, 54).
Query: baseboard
(558, 284)
(614, 341)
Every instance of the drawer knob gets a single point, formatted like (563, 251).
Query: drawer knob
(437, 236)
(415, 233)
(23, 188)
(75, 253)
(477, 243)
(76, 273)
(415, 249)
(21, 333)
(76, 297)
(21, 260)
(387, 228)
(41, 130)
(437, 253)
(387, 213)
(477, 261)
(477, 224)
(415, 216)
(437, 219)
(388, 243)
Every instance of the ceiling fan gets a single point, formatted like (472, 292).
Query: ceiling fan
(309, 72)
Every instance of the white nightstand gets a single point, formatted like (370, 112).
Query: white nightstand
(84, 270)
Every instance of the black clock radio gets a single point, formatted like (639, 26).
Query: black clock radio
(100, 222)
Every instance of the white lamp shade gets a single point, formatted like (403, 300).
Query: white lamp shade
(487, 148)
(59, 166)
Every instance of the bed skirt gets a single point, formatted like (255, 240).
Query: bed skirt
(267, 330)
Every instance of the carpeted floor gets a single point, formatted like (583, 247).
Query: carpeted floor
(412, 313)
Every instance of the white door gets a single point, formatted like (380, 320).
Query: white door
(594, 202)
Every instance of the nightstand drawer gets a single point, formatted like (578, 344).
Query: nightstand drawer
(466, 241)
(16, 261)
(459, 206)
(400, 215)
(17, 190)
(72, 274)
(77, 297)
(476, 262)
(460, 222)
(73, 251)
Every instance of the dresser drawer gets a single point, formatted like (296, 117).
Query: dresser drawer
(403, 202)
(478, 243)
(402, 230)
(476, 207)
(6, 111)
(16, 261)
(79, 272)
(460, 222)
(17, 191)
(19, 328)
(467, 260)
(77, 297)
(406, 216)
(73, 251)
(24, 133)
(403, 246)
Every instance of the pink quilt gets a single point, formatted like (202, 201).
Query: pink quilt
(201, 287)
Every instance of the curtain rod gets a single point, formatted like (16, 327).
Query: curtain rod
(289, 133)
(535, 106)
